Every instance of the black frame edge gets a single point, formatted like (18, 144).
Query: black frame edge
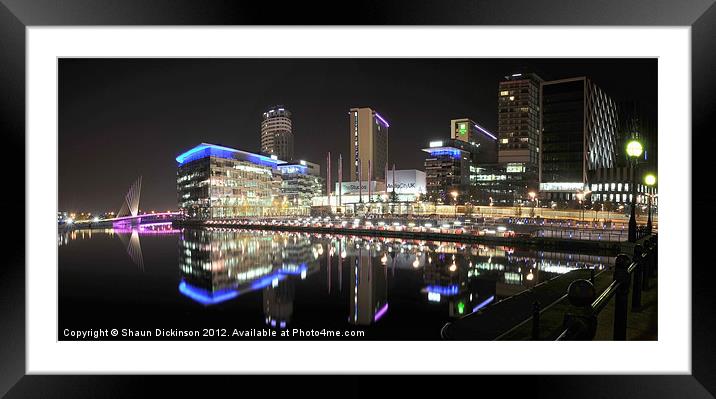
(12, 115)
(12, 272)
(703, 108)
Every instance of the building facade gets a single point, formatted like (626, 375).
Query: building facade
(491, 185)
(447, 170)
(579, 124)
(467, 130)
(611, 187)
(300, 183)
(220, 182)
(519, 127)
(277, 133)
(368, 142)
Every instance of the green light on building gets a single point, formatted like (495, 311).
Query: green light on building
(462, 128)
(461, 307)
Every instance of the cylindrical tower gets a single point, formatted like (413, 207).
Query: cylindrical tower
(277, 133)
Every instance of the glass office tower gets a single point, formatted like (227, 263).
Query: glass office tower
(221, 182)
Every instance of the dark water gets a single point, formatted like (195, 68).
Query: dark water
(271, 281)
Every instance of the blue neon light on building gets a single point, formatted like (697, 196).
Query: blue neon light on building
(205, 297)
(204, 150)
(445, 151)
(448, 290)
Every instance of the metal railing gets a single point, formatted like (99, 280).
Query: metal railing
(581, 322)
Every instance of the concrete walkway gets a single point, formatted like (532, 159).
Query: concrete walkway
(642, 324)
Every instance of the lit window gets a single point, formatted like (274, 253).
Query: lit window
(504, 141)
(619, 187)
(504, 92)
(613, 186)
(512, 98)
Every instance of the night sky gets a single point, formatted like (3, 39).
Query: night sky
(122, 118)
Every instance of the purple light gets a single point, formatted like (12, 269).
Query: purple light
(377, 115)
(141, 231)
(483, 304)
(485, 131)
(142, 226)
(142, 215)
(380, 312)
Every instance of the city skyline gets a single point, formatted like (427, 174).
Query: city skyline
(155, 109)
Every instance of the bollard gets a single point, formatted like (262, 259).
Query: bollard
(535, 320)
(621, 275)
(638, 276)
(648, 250)
(581, 322)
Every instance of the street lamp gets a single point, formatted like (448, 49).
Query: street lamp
(454, 200)
(649, 180)
(533, 196)
(580, 197)
(633, 150)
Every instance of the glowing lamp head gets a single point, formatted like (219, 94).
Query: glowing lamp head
(634, 148)
(650, 180)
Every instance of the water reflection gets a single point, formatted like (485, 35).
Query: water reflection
(305, 279)
(219, 265)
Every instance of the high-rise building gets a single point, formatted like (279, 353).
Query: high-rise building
(368, 142)
(579, 135)
(277, 133)
(467, 130)
(518, 126)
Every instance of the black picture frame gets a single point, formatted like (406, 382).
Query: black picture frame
(16, 15)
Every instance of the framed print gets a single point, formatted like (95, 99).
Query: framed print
(239, 197)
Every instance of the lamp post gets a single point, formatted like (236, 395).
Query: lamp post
(533, 196)
(633, 150)
(649, 180)
(454, 200)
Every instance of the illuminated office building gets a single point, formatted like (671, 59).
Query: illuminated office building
(221, 182)
(368, 133)
(300, 183)
(277, 133)
(579, 135)
(518, 126)
(447, 170)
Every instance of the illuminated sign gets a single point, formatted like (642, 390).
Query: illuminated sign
(354, 188)
(561, 186)
(436, 144)
(489, 177)
(462, 128)
(410, 181)
(515, 168)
